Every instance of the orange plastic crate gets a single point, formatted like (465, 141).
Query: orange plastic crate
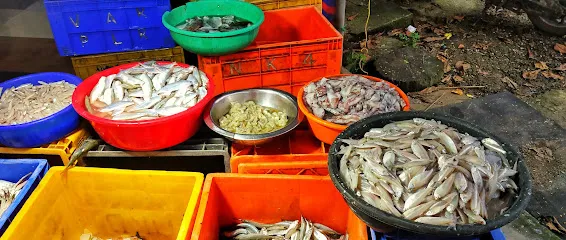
(298, 153)
(272, 198)
(293, 46)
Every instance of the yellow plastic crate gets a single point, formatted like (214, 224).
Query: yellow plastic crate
(266, 5)
(280, 4)
(62, 148)
(85, 66)
(109, 202)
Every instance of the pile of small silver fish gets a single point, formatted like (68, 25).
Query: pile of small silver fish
(147, 91)
(29, 102)
(347, 99)
(425, 171)
(212, 24)
(285, 230)
(9, 191)
(87, 235)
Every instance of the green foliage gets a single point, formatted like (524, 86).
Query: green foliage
(353, 61)
(410, 40)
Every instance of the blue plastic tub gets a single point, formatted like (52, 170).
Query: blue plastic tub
(45, 130)
(496, 234)
(14, 169)
(82, 27)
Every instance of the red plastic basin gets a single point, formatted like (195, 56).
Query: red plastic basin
(146, 135)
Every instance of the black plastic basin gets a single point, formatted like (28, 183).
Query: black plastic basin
(385, 222)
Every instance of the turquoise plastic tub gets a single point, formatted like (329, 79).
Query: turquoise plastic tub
(214, 44)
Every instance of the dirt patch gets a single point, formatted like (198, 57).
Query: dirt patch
(499, 49)
(546, 162)
(421, 101)
(499, 53)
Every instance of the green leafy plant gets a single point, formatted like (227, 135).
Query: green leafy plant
(410, 40)
(353, 61)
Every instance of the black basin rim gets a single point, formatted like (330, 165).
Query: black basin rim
(358, 205)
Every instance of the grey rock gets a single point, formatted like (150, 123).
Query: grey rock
(526, 227)
(385, 15)
(551, 104)
(467, 7)
(412, 69)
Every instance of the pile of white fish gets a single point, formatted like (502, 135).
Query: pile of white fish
(9, 191)
(347, 99)
(87, 235)
(425, 171)
(147, 91)
(286, 230)
(29, 102)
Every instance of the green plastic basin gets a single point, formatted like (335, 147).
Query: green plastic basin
(214, 44)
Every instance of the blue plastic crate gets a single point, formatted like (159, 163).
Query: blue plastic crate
(496, 234)
(14, 169)
(82, 27)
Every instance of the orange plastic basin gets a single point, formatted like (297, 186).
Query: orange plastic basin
(228, 197)
(326, 131)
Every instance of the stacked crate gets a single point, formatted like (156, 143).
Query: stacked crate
(298, 153)
(295, 45)
(110, 27)
(57, 153)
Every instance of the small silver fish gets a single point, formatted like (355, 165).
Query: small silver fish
(117, 105)
(98, 90)
(128, 116)
(168, 111)
(118, 90)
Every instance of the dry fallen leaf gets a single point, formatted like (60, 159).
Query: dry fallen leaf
(553, 224)
(561, 67)
(541, 66)
(510, 83)
(460, 65)
(469, 95)
(395, 32)
(350, 18)
(531, 74)
(433, 39)
(422, 27)
(460, 46)
(447, 67)
(439, 31)
(458, 78)
(447, 79)
(482, 46)
(459, 18)
(442, 57)
(528, 85)
(561, 48)
(458, 91)
(549, 74)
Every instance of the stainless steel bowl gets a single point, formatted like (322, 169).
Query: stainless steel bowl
(266, 97)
